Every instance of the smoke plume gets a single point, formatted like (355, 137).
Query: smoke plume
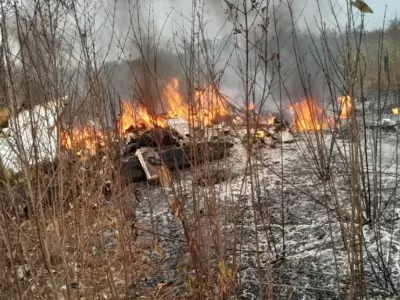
(137, 44)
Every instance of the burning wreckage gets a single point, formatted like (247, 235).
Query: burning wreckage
(29, 135)
(152, 145)
(155, 144)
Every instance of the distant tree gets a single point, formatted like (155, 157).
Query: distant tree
(394, 25)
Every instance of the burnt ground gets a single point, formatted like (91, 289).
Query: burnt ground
(315, 261)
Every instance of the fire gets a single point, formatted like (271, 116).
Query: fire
(271, 120)
(395, 110)
(177, 106)
(309, 116)
(209, 105)
(139, 116)
(345, 106)
(83, 137)
(260, 134)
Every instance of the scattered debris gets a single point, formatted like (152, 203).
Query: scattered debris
(285, 137)
(31, 131)
(149, 160)
(179, 124)
(154, 167)
(385, 124)
(153, 138)
(174, 158)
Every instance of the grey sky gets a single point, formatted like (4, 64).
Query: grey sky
(375, 20)
(169, 16)
(393, 9)
(308, 9)
(103, 9)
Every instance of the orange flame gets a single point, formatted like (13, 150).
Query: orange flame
(345, 106)
(309, 116)
(209, 106)
(137, 117)
(177, 106)
(83, 137)
(395, 110)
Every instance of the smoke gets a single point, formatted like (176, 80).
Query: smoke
(297, 35)
(294, 31)
(32, 47)
(293, 34)
(137, 40)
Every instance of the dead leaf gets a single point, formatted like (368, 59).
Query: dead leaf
(221, 267)
(191, 281)
(135, 232)
(231, 272)
(165, 177)
(4, 116)
(160, 285)
(222, 277)
(176, 208)
(53, 226)
(362, 6)
(3, 134)
(158, 249)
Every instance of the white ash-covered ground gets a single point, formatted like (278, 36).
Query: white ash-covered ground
(315, 261)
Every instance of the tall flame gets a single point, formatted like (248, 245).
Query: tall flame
(309, 116)
(176, 104)
(209, 105)
(345, 106)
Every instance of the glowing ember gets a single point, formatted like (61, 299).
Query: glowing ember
(345, 106)
(83, 138)
(271, 120)
(139, 116)
(395, 110)
(309, 116)
(260, 134)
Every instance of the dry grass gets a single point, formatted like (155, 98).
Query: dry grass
(74, 231)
